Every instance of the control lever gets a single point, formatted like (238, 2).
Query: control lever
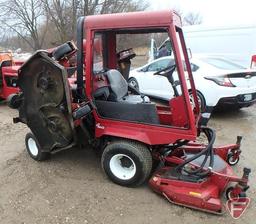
(81, 112)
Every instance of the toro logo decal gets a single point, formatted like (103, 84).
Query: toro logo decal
(99, 126)
(237, 206)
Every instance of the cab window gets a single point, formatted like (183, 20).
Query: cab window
(160, 65)
(97, 53)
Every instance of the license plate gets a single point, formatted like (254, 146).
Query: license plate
(247, 97)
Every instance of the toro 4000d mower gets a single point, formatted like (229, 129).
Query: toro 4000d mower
(131, 130)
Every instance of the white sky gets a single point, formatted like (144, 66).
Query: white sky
(214, 12)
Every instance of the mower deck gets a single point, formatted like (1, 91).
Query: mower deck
(201, 193)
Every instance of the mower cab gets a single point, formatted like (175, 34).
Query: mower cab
(130, 129)
(118, 110)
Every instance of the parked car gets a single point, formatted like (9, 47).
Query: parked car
(235, 43)
(219, 82)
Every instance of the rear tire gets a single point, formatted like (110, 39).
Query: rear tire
(127, 163)
(33, 148)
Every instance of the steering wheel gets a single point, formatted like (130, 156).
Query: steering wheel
(168, 72)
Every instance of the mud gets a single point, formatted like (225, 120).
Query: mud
(71, 187)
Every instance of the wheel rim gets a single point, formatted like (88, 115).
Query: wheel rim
(122, 166)
(191, 99)
(230, 196)
(32, 147)
(231, 161)
(134, 84)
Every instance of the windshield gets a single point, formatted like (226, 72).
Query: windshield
(222, 64)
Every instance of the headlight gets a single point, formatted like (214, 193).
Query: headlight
(221, 81)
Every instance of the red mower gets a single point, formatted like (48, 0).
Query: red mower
(136, 134)
(8, 75)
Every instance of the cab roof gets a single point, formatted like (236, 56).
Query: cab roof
(141, 19)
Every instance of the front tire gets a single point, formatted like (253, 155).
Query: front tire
(13, 101)
(127, 163)
(33, 148)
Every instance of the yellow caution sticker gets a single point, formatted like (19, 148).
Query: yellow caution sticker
(195, 194)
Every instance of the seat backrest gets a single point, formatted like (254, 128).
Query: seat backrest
(118, 84)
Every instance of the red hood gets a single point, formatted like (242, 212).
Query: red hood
(11, 70)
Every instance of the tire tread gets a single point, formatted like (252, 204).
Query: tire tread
(140, 150)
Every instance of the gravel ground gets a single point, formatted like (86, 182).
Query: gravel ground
(71, 187)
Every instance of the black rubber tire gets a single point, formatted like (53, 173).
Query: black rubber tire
(13, 102)
(130, 80)
(40, 156)
(229, 157)
(140, 155)
(61, 51)
(202, 100)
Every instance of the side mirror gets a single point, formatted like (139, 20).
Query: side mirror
(176, 83)
(145, 69)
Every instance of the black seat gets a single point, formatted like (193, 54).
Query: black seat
(119, 89)
(116, 103)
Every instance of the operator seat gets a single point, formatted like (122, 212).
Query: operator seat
(119, 89)
(118, 104)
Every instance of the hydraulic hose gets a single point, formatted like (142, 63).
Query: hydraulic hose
(208, 152)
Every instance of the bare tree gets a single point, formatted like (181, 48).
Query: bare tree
(64, 13)
(23, 17)
(192, 19)
(47, 23)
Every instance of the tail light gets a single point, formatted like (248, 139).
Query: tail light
(253, 62)
(221, 81)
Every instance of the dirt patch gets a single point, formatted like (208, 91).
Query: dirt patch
(71, 187)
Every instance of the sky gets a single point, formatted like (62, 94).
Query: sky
(214, 12)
